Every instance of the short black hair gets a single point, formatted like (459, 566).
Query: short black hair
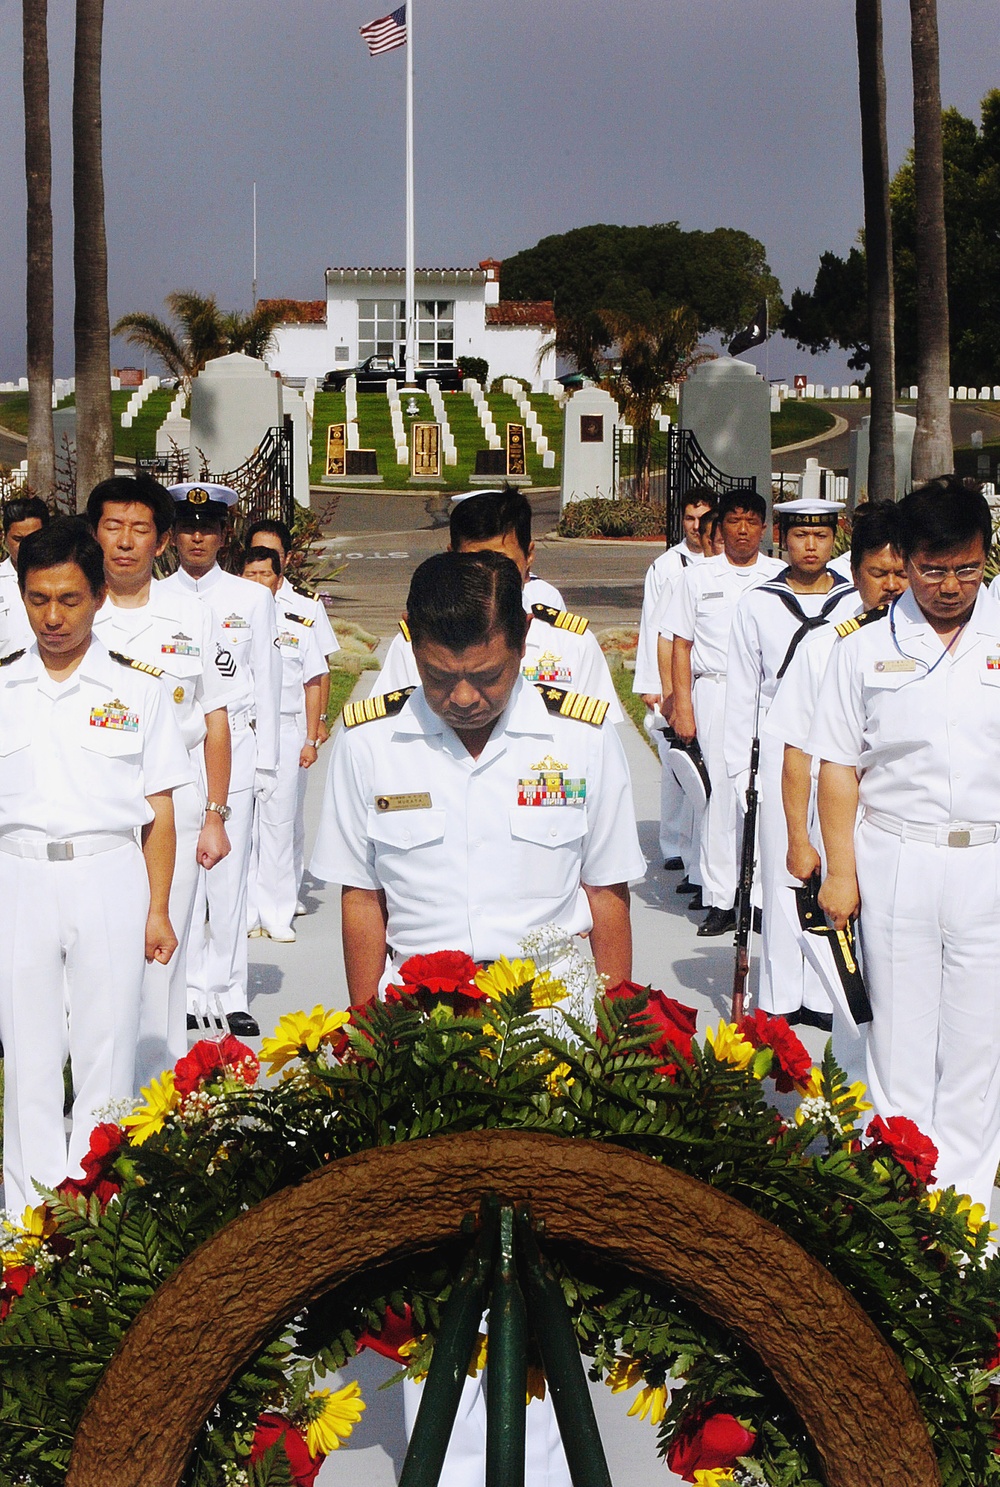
(24, 508)
(943, 514)
(263, 555)
(275, 529)
(141, 489)
(708, 521)
(458, 599)
(66, 539)
(491, 514)
(699, 495)
(876, 524)
(742, 500)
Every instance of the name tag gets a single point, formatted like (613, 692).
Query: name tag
(417, 800)
(903, 664)
(715, 594)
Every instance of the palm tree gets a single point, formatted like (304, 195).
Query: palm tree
(38, 297)
(94, 433)
(201, 333)
(932, 446)
(878, 251)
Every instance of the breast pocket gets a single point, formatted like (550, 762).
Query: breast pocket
(406, 842)
(112, 757)
(16, 774)
(548, 847)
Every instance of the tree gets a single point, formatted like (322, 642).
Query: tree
(721, 276)
(878, 243)
(94, 433)
(932, 446)
(38, 285)
(202, 332)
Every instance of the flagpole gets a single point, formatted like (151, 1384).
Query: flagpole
(411, 359)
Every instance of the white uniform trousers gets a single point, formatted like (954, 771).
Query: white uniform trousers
(930, 935)
(678, 834)
(72, 954)
(787, 980)
(465, 1461)
(717, 848)
(217, 951)
(274, 885)
(162, 1018)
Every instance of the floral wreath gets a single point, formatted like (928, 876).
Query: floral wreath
(456, 1047)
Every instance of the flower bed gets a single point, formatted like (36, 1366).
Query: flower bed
(456, 1048)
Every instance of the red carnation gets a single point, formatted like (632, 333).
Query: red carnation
(209, 1056)
(100, 1188)
(393, 1334)
(666, 1021)
(271, 1429)
(106, 1141)
(708, 1442)
(448, 975)
(904, 1140)
(791, 1063)
(15, 1279)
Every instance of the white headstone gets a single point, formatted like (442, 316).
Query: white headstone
(905, 428)
(174, 434)
(234, 401)
(984, 394)
(293, 403)
(914, 393)
(854, 391)
(961, 394)
(589, 420)
(727, 405)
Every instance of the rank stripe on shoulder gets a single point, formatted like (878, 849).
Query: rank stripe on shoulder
(560, 618)
(135, 665)
(848, 627)
(386, 705)
(297, 619)
(14, 656)
(404, 630)
(573, 705)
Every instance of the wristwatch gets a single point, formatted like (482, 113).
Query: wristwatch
(313, 743)
(223, 811)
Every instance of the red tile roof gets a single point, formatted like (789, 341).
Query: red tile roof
(521, 312)
(297, 311)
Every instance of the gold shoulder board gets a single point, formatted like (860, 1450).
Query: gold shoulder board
(573, 704)
(561, 618)
(135, 665)
(297, 619)
(387, 705)
(14, 656)
(303, 589)
(848, 627)
(404, 630)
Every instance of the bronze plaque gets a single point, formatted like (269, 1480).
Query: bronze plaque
(425, 449)
(515, 449)
(591, 428)
(336, 449)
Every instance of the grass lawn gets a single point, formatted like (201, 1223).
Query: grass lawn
(342, 684)
(140, 438)
(798, 420)
(14, 412)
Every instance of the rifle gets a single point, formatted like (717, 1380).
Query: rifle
(744, 890)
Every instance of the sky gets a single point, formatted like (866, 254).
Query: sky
(532, 117)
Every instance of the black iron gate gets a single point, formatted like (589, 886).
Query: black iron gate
(677, 462)
(265, 481)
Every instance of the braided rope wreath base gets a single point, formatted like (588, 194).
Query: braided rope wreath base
(359, 1213)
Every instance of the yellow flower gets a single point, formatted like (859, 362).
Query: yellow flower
(38, 1223)
(299, 1033)
(505, 976)
(624, 1373)
(975, 1213)
(729, 1045)
(331, 1417)
(652, 1402)
(478, 1360)
(161, 1098)
(857, 1092)
(717, 1477)
(556, 1078)
(812, 1087)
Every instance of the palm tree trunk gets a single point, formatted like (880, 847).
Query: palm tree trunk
(878, 251)
(932, 447)
(94, 437)
(38, 296)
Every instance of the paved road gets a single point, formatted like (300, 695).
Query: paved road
(834, 453)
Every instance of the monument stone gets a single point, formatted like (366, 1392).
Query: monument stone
(589, 420)
(727, 406)
(234, 401)
(857, 468)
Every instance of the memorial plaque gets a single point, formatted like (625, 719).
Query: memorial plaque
(425, 450)
(336, 449)
(361, 462)
(515, 449)
(491, 462)
(591, 428)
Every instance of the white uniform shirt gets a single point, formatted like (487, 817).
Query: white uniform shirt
(574, 662)
(538, 591)
(658, 586)
(80, 756)
(302, 656)
(476, 868)
(842, 564)
(763, 629)
(790, 716)
(311, 607)
(921, 727)
(181, 636)
(15, 630)
(701, 609)
(246, 613)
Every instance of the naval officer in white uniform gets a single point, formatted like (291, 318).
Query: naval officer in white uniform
(908, 726)
(89, 756)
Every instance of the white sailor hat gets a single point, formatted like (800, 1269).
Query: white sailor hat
(460, 496)
(807, 512)
(203, 498)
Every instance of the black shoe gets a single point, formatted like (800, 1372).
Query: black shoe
(673, 864)
(758, 922)
(696, 903)
(717, 922)
(242, 1025)
(192, 1023)
(792, 1018)
(686, 886)
(822, 1020)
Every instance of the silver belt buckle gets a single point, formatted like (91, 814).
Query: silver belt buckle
(959, 838)
(59, 851)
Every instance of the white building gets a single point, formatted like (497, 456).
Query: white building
(459, 313)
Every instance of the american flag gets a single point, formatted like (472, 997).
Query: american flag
(386, 34)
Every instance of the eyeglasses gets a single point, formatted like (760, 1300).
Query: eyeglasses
(965, 573)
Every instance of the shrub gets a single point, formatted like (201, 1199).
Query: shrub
(474, 366)
(597, 517)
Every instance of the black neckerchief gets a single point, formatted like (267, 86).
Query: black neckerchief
(779, 585)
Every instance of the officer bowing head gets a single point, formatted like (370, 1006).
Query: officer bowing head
(60, 572)
(468, 629)
(945, 534)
